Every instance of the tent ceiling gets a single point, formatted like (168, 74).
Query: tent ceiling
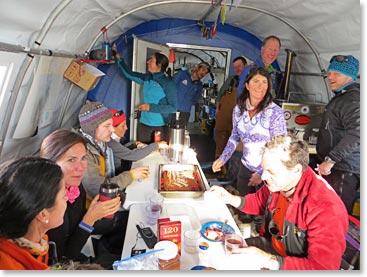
(22, 20)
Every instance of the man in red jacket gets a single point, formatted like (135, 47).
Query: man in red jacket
(305, 221)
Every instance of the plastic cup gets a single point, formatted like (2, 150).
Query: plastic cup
(147, 167)
(191, 241)
(232, 242)
(152, 215)
(156, 202)
(163, 150)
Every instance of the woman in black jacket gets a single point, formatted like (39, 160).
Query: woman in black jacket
(68, 150)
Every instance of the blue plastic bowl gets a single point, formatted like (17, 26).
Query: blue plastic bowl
(216, 225)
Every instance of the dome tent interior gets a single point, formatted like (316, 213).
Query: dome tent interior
(39, 39)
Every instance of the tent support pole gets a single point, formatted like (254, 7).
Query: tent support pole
(32, 51)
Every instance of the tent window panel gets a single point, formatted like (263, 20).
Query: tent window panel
(5, 73)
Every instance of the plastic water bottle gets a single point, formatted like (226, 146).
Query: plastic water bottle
(203, 253)
(107, 49)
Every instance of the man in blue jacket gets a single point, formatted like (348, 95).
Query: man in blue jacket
(269, 53)
(338, 143)
(189, 88)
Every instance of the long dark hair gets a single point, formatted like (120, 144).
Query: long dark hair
(162, 60)
(56, 144)
(27, 186)
(268, 98)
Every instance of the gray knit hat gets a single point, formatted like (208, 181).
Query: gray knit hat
(91, 115)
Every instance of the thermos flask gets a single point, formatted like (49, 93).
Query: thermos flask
(108, 191)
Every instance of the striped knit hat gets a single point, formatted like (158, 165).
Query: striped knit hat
(91, 115)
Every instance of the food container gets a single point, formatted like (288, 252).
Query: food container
(180, 180)
(168, 259)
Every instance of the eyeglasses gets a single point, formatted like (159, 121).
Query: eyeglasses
(119, 113)
(339, 58)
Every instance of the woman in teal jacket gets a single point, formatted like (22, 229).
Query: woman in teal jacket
(159, 97)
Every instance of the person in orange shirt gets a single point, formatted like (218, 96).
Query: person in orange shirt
(32, 201)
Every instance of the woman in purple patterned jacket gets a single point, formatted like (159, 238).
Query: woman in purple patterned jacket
(256, 119)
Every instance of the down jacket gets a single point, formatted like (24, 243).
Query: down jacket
(339, 133)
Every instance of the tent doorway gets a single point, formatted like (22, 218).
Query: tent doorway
(143, 50)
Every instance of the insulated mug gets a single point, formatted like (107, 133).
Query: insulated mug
(107, 192)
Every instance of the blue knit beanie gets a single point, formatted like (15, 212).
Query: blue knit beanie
(348, 67)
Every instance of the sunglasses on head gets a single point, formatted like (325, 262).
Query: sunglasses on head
(119, 113)
(339, 58)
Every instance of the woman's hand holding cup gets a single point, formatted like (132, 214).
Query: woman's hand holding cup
(99, 209)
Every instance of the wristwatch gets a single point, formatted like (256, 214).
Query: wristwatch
(329, 160)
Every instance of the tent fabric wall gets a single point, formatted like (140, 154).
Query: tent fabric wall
(114, 90)
(170, 30)
(182, 32)
(165, 31)
(51, 108)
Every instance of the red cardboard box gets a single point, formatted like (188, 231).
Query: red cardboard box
(170, 230)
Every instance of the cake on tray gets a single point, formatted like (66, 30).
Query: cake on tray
(180, 180)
